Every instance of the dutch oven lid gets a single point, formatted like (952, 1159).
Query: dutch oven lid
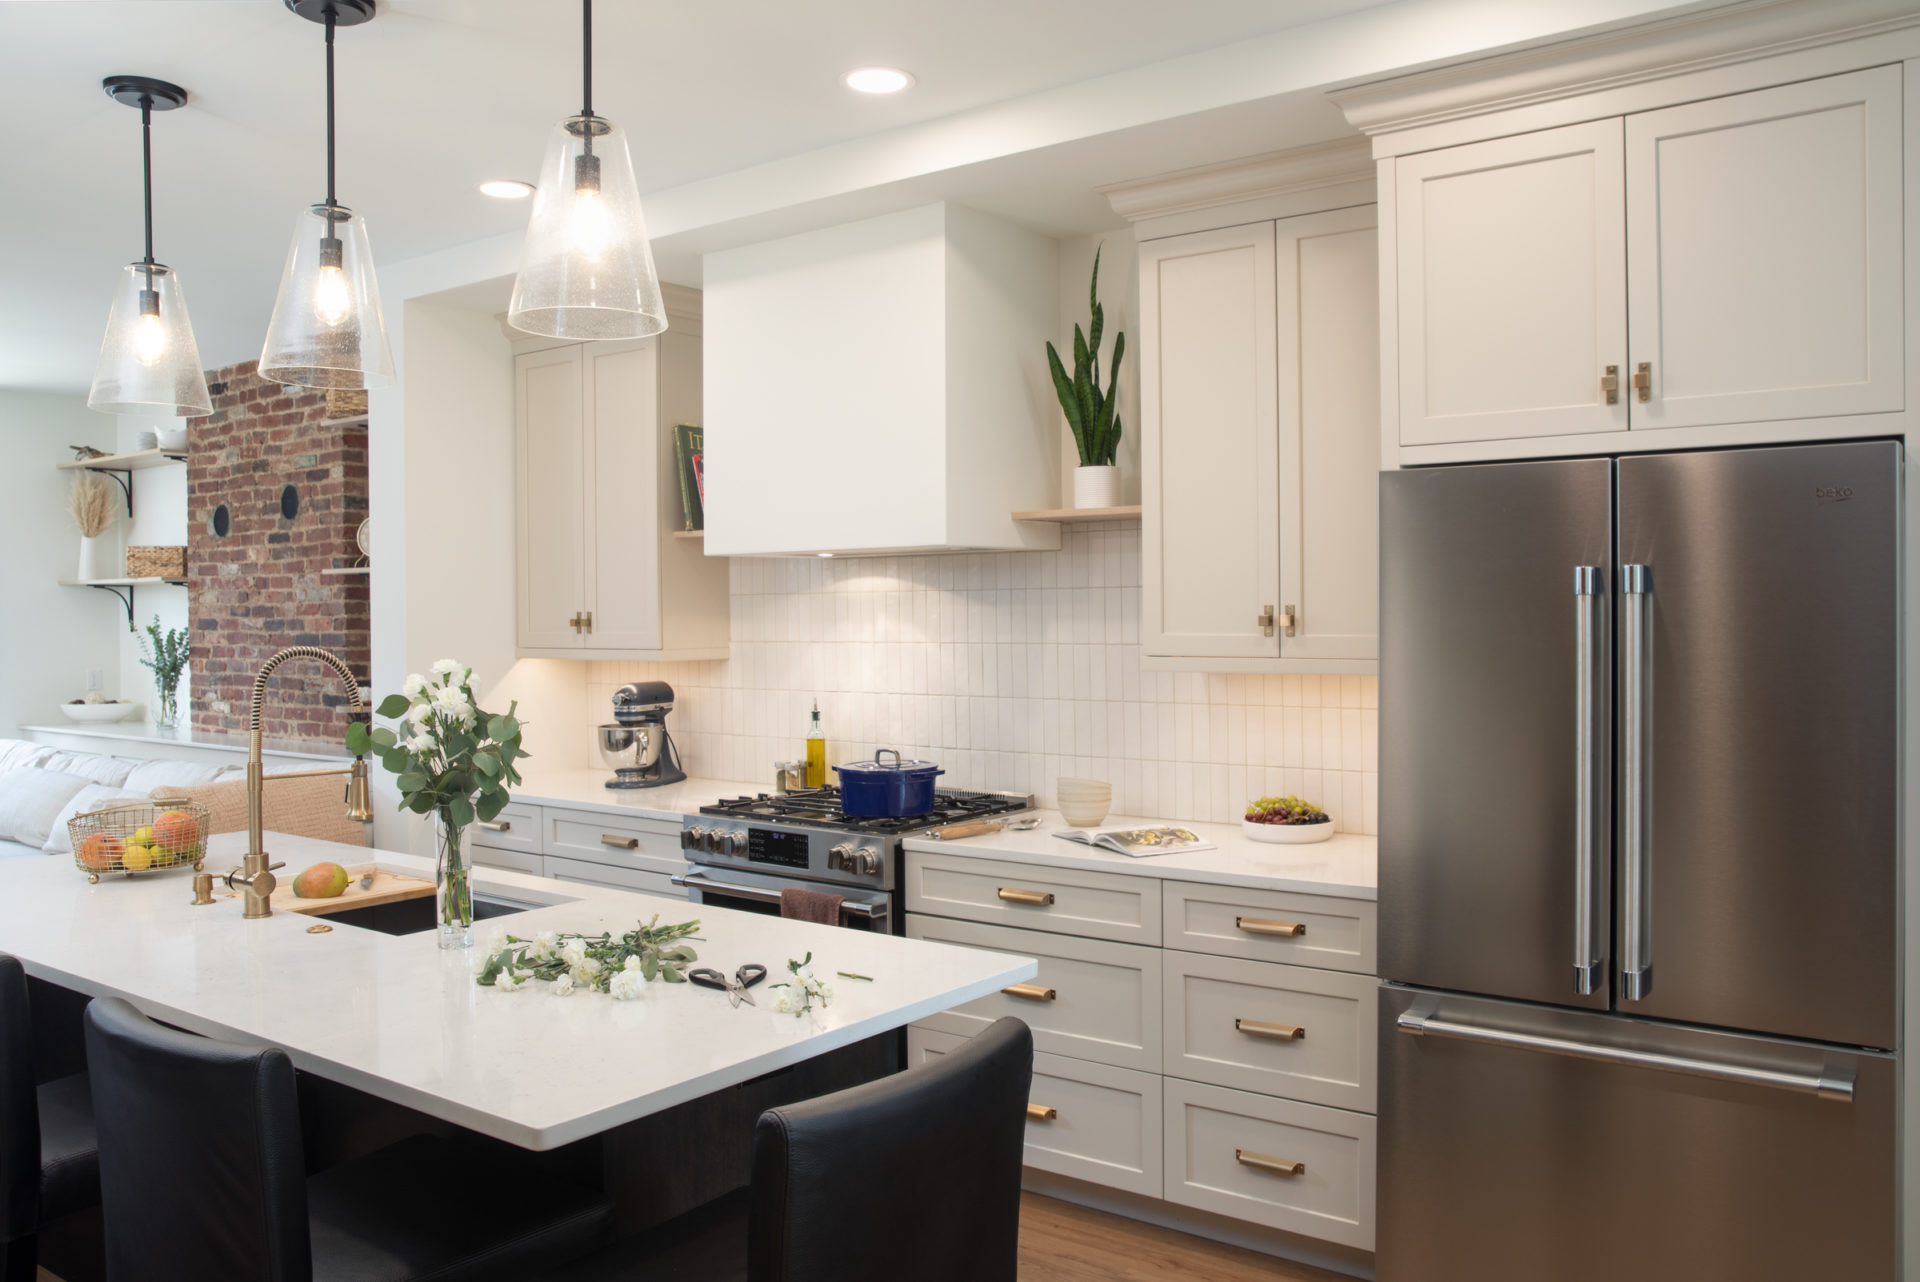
(896, 766)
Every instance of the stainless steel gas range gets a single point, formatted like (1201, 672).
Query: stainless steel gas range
(742, 853)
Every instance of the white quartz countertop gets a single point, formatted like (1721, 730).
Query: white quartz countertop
(404, 1021)
(587, 790)
(1345, 865)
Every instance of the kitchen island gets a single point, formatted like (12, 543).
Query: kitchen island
(398, 1019)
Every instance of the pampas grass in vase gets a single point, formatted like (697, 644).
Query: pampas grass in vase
(90, 503)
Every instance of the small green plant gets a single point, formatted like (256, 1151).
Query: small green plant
(1091, 412)
(166, 654)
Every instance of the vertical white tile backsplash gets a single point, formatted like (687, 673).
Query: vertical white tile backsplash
(1010, 669)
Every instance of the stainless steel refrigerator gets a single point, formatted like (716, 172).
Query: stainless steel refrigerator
(1638, 806)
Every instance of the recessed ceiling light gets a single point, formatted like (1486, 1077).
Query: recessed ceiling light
(824, 555)
(506, 189)
(878, 80)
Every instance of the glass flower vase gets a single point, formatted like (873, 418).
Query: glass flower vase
(453, 882)
(166, 706)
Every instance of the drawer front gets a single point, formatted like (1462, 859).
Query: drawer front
(1234, 1154)
(652, 883)
(1105, 1002)
(516, 827)
(1066, 901)
(1281, 1030)
(651, 845)
(1093, 1122)
(1271, 925)
(492, 857)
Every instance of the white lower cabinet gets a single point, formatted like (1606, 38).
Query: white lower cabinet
(631, 852)
(510, 840)
(1090, 1121)
(651, 883)
(1298, 1167)
(1251, 1074)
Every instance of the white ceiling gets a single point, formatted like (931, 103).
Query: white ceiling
(438, 94)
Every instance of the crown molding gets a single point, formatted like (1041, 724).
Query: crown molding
(1278, 173)
(1666, 47)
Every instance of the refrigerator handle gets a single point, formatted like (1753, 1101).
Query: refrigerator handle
(1636, 713)
(1588, 608)
(1834, 1081)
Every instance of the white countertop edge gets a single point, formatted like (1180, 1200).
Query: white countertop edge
(587, 790)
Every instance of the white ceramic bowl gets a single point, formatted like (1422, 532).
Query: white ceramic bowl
(100, 711)
(172, 439)
(1082, 814)
(1083, 802)
(1287, 834)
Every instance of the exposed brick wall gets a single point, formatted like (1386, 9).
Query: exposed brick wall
(260, 589)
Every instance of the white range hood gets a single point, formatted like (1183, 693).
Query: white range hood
(882, 386)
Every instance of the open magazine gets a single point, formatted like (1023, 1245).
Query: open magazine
(1139, 842)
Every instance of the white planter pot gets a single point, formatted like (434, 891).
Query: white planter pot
(94, 557)
(1287, 834)
(1096, 487)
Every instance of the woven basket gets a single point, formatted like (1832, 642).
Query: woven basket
(139, 836)
(156, 563)
(346, 402)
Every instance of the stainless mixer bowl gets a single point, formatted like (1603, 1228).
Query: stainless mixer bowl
(630, 747)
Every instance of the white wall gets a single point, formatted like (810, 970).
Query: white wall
(159, 520)
(51, 635)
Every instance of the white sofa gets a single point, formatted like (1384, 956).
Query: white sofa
(41, 787)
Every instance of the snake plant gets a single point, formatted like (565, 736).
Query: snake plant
(1091, 412)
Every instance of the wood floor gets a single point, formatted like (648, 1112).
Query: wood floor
(1061, 1242)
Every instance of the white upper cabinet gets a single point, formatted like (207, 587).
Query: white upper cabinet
(1259, 390)
(1512, 255)
(1210, 489)
(600, 575)
(1764, 256)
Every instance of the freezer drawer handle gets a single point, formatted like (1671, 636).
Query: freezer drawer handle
(1833, 1082)
(1035, 898)
(1636, 763)
(1271, 1165)
(1031, 992)
(1589, 779)
(1263, 926)
(1272, 1032)
(1042, 1113)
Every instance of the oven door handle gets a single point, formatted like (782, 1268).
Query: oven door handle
(694, 881)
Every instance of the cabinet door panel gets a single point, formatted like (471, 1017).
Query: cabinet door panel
(1209, 446)
(1327, 270)
(549, 445)
(1512, 295)
(1763, 237)
(622, 474)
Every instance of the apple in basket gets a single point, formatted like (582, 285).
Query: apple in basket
(99, 852)
(175, 833)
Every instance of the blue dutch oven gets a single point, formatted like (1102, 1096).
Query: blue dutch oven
(876, 790)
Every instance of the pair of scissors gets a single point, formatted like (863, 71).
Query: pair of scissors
(735, 986)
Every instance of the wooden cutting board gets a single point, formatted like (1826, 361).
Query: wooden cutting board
(387, 888)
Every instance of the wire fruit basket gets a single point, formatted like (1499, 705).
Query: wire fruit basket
(139, 836)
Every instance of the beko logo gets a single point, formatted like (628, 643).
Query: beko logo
(1823, 494)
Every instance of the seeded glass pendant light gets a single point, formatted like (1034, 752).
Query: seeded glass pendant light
(327, 329)
(586, 270)
(149, 363)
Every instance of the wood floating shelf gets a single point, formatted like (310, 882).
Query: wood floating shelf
(689, 534)
(136, 461)
(350, 569)
(1075, 515)
(345, 420)
(120, 583)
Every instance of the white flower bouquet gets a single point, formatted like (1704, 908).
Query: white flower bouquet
(798, 995)
(621, 966)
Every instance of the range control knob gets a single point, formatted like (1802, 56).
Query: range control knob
(736, 842)
(841, 857)
(866, 861)
(693, 838)
(715, 839)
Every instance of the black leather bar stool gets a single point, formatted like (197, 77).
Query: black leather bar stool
(49, 1160)
(915, 1176)
(201, 1168)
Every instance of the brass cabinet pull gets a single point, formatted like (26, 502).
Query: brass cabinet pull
(1037, 898)
(588, 621)
(1041, 1113)
(1271, 1165)
(1272, 1032)
(576, 622)
(619, 843)
(1643, 382)
(502, 826)
(1610, 384)
(1262, 926)
(1286, 620)
(1264, 621)
(1031, 992)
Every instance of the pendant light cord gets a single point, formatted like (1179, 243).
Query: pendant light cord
(586, 61)
(146, 166)
(330, 200)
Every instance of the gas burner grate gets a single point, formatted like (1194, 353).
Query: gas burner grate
(820, 808)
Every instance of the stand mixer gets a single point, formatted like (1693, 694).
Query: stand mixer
(637, 746)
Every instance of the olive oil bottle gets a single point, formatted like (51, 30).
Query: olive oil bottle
(816, 750)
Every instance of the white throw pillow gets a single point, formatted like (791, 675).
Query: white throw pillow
(91, 797)
(30, 800)
(149, 775)
(112, 771)
(18, 754)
